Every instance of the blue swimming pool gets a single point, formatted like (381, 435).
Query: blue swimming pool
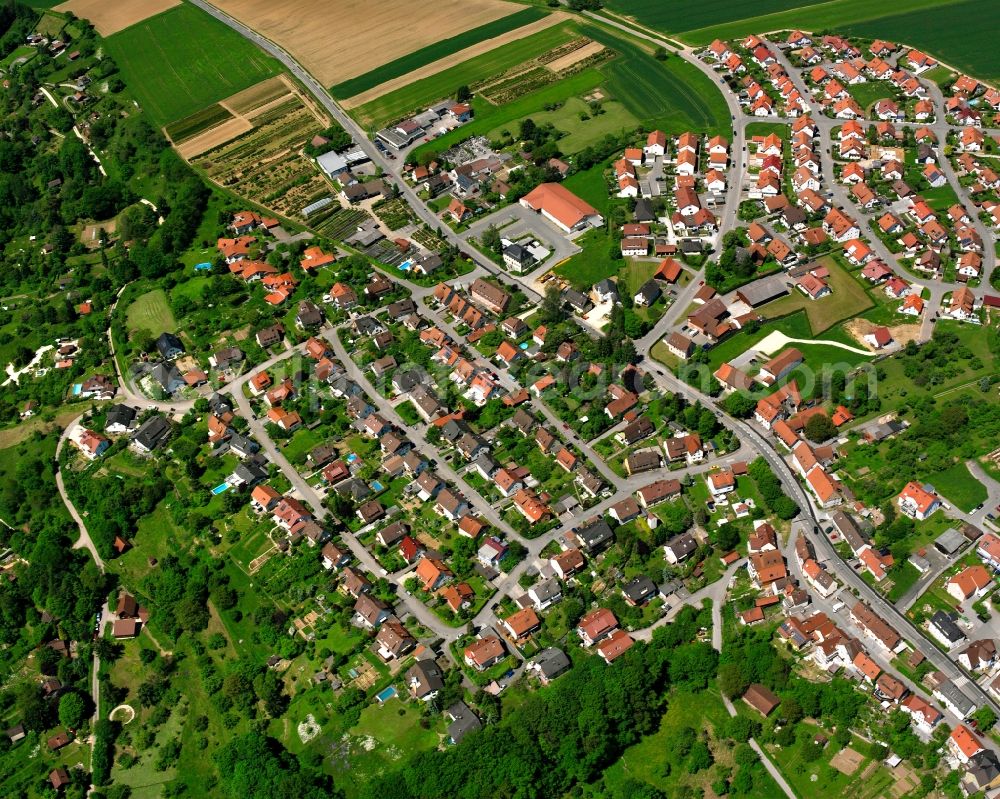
(220, 489)
(377, 486)
(77, 388)
(204, 266)
(405, 266)
(523, 345)
(351, 457)
(386, 693)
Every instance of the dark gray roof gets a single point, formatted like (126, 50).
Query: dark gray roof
(152, 433)
(243, 443)
(945, 624)
(168, 345)
(463, 722)
(250, 473)
(120, 414)
(547, 590)
(595, 534)
(639, 588)
(682, 545)
(644, 211)
(167, 376)
(552, 662)
(427, 675)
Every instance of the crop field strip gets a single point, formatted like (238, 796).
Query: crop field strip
(182, 61)
(199, 122)
(489, 65)
(677, 16)
(350, 38)
(433, 52)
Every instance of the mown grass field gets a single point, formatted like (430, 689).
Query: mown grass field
(183, 60)
(151, 312)
(432, 52)
(582, 131)
(848, 299)
(424, 92)
(957, 485)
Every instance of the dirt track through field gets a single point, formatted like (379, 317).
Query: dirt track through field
(454, 59)
(110, 17)
(340, 39)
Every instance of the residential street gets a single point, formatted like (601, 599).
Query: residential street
(753, 441)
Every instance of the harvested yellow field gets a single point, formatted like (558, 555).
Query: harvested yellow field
(575, 57)
(214, 137)
(458, 57)
(109, 17)
(340, 39)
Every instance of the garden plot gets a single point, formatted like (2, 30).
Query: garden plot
(265, 163)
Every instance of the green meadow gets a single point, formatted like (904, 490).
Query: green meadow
(183, 60)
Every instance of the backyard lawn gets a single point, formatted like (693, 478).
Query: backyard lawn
(592, 265)
(590, 185)
(151, 311)
(848, 299)
(819, 779)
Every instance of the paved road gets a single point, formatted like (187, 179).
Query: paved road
(391, 167)
(84, 541)
(809, 517)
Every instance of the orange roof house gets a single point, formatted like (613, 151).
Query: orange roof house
(314, 258)
(970, 582)
(521, 624)
(559, 204)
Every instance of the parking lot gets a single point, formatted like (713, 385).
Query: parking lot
(516, 222)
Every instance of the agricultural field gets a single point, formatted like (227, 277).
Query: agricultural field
(962, 35)
(700, 23)
(224, 121)
(263, 163)
(183, 60)
(476, 70)
(676, 17)
(109, 18)
(636, 88)
(339, 41)
(411, 62)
